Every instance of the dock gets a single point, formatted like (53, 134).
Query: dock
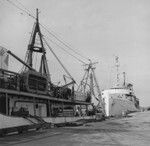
(133, 130)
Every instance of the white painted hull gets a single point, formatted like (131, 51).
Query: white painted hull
(117, 102)
(120, 106)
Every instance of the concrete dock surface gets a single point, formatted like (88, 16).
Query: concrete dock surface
(129, 131)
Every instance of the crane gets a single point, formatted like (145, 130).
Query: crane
(89, 83)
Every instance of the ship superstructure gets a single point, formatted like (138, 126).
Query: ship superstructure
(120, 99)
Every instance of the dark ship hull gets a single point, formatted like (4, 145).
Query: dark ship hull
(22, 106)
(30, 100)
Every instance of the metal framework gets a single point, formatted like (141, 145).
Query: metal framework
(89, 81)
(32, 48)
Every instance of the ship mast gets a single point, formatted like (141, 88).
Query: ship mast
(124, 79)
(117, 70)
(39, 48)
(33, 48)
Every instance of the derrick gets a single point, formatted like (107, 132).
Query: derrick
(89, 84)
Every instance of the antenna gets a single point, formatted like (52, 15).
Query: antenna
(117, 69)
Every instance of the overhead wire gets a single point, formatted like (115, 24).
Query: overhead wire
(25, 10)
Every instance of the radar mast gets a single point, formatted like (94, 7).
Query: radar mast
(117, 70)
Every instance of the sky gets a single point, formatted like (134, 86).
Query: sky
(97, 29)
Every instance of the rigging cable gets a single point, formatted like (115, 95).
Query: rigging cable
(12, 3)
(23, 7)
(49, 32)
(58, 59)
(66, 51)
(66, 45)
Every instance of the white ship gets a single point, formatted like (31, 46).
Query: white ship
(120, 100)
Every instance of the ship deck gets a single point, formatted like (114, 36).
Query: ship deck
(130, 131)
(40, 96)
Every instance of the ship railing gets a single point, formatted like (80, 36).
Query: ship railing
(9, 80)
(13, 81)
